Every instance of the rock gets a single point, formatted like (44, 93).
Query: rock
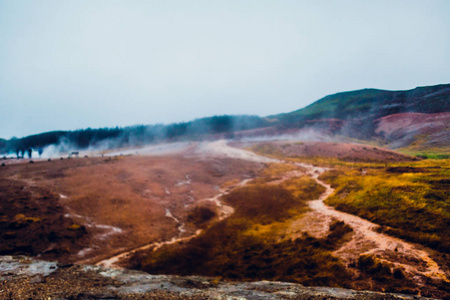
(37, 279)
(24, 278)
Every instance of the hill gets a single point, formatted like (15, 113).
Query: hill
(367, 114)
(374, 104)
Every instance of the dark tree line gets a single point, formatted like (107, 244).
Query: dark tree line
(132, 135)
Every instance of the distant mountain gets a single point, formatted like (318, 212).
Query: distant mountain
(375, 104)
(361, 113)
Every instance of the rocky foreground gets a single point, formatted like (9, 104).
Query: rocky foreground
(25, 278)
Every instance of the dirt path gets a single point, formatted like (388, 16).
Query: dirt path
(112, 261)
(223, 210)
(221, 148)
(366, 240)
(218, 148)
(413, 258)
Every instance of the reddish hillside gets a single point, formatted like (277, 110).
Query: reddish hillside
(402, 129)
(357, 114)
(345, 151)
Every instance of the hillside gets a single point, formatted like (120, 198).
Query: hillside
(369, 113)
(419, 131)
(372, 104)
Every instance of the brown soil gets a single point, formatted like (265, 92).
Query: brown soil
(100, 207)
(412, 261)
(397, 124)
(23, 279)
(344, 151)
(121, 203)
(32, 223)
(403, 129)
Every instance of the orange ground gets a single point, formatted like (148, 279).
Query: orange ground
(123, 201)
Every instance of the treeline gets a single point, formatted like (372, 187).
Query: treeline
(198, 129)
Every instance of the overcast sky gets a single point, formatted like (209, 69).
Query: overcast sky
(76, 64)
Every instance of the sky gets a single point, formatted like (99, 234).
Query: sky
(68, 65)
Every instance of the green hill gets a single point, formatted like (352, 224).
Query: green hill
(358, 113)
(373, 103)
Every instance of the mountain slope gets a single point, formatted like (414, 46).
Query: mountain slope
(415, 129)
(376, 103)
(364, 113)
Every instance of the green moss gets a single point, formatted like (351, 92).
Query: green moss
(410, 201)
(74, 227)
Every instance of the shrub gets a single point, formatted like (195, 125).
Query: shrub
(201, 215)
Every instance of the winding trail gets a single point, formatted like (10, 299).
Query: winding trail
(379, 243)
(366, 240)
(413, 258)
(112, 261)
(224, 212)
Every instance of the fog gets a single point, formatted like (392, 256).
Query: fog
(76, 64)
(113, 147)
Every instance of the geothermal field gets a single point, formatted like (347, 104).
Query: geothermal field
(225, 150)
(318, 213)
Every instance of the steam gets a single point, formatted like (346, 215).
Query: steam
(171, 139)
(116, 147)
(158, 149)
(65, 148)
(309, 134)
(112, 147)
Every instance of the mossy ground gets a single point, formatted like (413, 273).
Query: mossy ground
(410, 201)
(247, 245)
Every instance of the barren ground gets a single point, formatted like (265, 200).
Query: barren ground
(122, 202)
(344, 151)
(102, 209)
(403, 129)
(415, 259)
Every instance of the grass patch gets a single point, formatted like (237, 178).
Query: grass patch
(243, 247)
(201, 215)
(422, 148)
(409, 201)
(225, 251)
(267, 149)
(263, 204)
(271, 150)
(303, 188)
(391, 277)
(428, 155)
(277, 170)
